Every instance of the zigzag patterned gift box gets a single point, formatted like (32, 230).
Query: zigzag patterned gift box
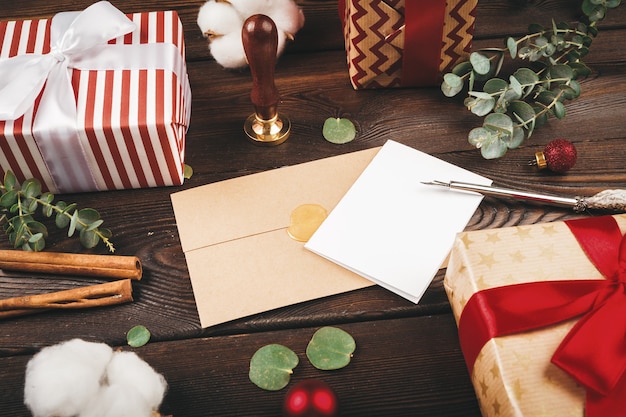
(94, 100)
(405, 43)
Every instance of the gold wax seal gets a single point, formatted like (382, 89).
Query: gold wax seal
(305, 220)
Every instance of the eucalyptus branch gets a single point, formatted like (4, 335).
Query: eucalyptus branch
(513, 108)
(20, 202)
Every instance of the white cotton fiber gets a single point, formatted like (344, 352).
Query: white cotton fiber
(287, 16)
(83, 379)
(128, 370)
(228, 51)
(219, 18)
(223, 22)
(251, 7)
(118, 401)
(61, 379)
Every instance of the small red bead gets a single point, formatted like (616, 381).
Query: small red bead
(560, 155)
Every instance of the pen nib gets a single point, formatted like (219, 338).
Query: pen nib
(436, 182)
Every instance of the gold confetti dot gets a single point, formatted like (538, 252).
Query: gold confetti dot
(305, 220)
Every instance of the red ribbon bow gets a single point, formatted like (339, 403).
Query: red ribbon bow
(594, 351)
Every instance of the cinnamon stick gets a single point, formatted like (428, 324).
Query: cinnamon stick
(98, 295)
(104, 266)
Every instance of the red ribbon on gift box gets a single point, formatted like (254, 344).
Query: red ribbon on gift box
(423, 34)
(594, 351)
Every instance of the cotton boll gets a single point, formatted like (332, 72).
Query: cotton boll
(61, 379)
(287, 16)
(118, 401)
(128, 370)
(218, 18)
(251, 7)
(282, 43)
(228, 50)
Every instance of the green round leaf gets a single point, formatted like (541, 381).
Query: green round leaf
(480, 63)
(481, 104)
(494, 149)
(523, 112)
(8, 199)
(337, 130)
(511, 44)
(88, 238)
(10, 181)
(187, 171)
(330, 348)
(479, 136)
(271, 367)
(495, 85)
(452, 84)
(559, 110)
(499, 122)
(138, 336)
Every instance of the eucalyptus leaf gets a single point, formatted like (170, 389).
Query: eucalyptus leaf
(138, 336)
(514, 140)
(187, 171)
(481, 104)
(494, 149)
(330, 348)
(35, 237)
(523, 112)
(35, 246)
(452, 84)
(480, 136)
(559, 110)
(561, 71)
(271, 367)
(89, 238)
(511, 44)
(499, 122)
(61, 220)
(10, 181)
(8, 199)
(31, 188)
(88, 215)
(73, 224)
(495, 85)
(480, 63)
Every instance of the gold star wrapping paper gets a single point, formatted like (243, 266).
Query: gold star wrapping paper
(513, 375)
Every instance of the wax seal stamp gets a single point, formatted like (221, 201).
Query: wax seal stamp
(260, 40)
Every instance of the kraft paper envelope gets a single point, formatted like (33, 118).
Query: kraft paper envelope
(240, 258)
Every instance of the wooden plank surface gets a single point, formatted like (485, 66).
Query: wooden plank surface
(408, 361)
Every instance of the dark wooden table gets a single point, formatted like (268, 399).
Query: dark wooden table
(408, 361)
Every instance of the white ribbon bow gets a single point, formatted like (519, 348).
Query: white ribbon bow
(73, 38)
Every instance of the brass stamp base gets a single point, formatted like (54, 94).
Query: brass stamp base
(267, 132)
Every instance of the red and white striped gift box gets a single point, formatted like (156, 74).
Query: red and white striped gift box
(130, 123)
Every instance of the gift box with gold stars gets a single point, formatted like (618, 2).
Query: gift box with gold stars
(514, 374)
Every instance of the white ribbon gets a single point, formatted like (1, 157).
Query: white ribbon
(78, 40)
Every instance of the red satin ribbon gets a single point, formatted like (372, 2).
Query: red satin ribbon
(423, 40)
(594, 351)
(423, 34)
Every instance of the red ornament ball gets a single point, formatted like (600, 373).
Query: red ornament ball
(560, 155)
(311, 398)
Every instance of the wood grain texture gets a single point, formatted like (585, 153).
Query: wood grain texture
(408, 362)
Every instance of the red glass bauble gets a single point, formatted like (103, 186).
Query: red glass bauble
(558, 156)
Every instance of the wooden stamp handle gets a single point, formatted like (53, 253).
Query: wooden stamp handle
(260, 43)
